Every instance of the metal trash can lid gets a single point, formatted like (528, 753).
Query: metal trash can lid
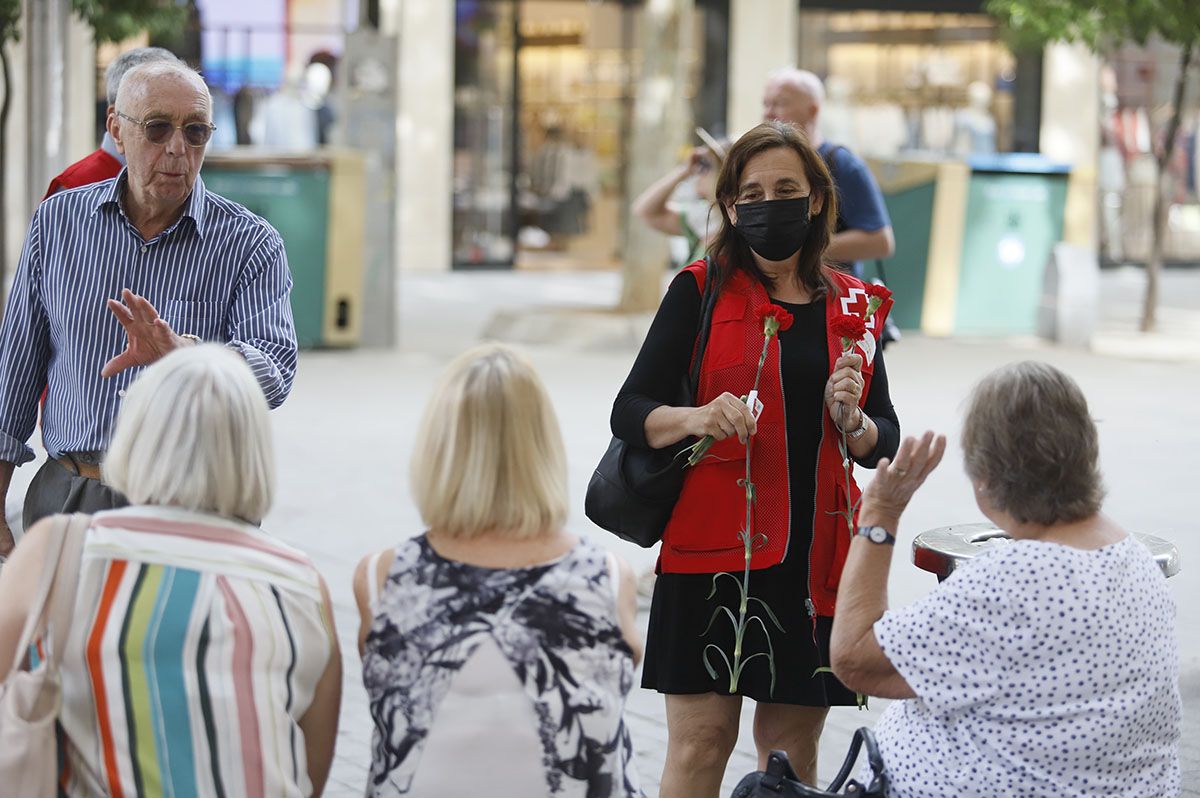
(941, 550)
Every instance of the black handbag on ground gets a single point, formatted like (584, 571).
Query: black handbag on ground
(780, 781)
(634, 489)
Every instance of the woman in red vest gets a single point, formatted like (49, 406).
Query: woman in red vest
(778, 208)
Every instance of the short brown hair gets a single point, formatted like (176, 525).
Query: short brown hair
(730, 251)
(1030, 442)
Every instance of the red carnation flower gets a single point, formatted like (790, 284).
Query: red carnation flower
(782, 319)
(848, 327)
(876, 296)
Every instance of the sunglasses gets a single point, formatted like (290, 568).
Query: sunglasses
(158, 131)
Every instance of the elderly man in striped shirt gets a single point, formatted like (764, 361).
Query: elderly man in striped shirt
(115, 275)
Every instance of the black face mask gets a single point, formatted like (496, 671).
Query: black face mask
(775, 229)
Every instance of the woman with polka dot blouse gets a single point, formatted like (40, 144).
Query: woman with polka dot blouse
(1045, 667)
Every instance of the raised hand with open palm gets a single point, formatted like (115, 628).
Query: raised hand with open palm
(150, 337)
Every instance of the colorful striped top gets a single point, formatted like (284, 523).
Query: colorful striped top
(196, 647)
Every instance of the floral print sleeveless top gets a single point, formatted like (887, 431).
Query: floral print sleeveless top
(554, 626)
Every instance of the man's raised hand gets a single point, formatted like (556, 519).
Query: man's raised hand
(150, 337)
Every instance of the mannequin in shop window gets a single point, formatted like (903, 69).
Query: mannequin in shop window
(562, 177)
(974, 126)
(284, 121)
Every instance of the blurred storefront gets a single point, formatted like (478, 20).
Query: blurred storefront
(1138, 85)
(932, 77)
(544, 89)
(271, 67)
(543, 98)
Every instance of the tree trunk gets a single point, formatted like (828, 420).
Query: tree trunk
(1155, 264)
(4, 109)
(660, 127)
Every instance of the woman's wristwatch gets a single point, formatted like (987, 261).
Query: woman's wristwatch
(877, 534)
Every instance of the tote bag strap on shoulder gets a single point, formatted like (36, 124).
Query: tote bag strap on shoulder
(55, 597)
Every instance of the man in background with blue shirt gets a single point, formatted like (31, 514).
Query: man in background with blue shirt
(864, 231)
(115, 275)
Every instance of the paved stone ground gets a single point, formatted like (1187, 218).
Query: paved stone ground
(344, 436)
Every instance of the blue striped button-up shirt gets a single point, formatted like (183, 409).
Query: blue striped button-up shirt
(219, 273)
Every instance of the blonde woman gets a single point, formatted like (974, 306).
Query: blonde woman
(498, 648)
(202, 657)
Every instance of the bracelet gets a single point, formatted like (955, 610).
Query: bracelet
(862, 427)
(195, 339)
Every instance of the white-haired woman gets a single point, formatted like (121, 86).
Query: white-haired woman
(202, 658)
(498, 648)
(1048, 666)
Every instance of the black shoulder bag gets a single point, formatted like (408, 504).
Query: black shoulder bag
(634, 489)
(780, 781)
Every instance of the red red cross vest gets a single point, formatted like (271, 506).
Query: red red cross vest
(702, 535)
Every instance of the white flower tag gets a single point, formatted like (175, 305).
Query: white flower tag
(867, 345)
(756, 407)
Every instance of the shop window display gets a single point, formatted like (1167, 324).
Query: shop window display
(899, 82)
(539, 94)
(543, 103)
(1136, 87)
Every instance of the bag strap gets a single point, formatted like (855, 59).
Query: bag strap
(55, 597)
(33, 620)
(856, 743)
(708, 300)
(874, 759)
(863, 736)
(879, 268)
(66, 586)
(779, 770)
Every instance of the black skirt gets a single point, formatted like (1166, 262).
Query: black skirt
(679, 637)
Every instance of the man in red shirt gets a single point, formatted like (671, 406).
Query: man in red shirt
(106, 162)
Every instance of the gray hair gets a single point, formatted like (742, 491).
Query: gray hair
(1030, 443)
(127, 61)
(802, 80)
(138, 79)
(193, 433)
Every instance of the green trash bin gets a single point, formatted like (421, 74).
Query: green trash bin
(315, 201)
(972, 240)
(1014, 216)
(909, 189)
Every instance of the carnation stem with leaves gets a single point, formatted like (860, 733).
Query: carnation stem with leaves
(850, 328)
(773, 320)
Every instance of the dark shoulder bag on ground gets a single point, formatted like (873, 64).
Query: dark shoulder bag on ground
(780, 781)
(633, 490)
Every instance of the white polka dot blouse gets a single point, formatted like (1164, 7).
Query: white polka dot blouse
(1040, 669)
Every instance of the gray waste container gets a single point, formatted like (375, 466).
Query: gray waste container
(941, 550)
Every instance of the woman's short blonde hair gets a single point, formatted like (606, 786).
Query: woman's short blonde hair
(1030, 443)
(193, 433)
(489, 453)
